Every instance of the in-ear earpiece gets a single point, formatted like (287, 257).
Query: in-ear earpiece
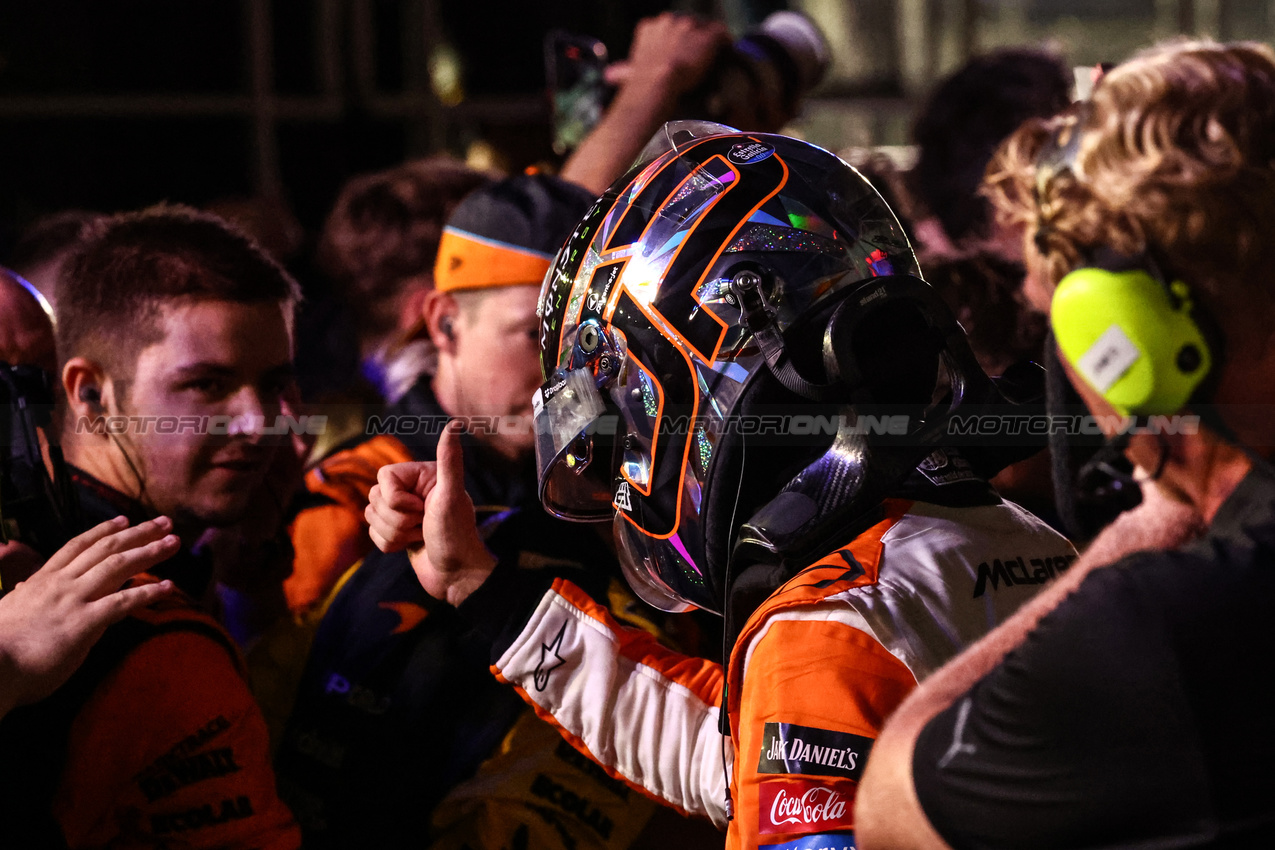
(447, 328)
(90, 395)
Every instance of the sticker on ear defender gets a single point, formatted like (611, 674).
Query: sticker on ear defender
(1108, 359)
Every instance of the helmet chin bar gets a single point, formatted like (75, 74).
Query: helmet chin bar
(830, 501)
(841, 493)
(645, 582)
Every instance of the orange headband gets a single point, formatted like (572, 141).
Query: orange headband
(468, 261)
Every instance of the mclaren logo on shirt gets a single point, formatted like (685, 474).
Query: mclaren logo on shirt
(789, 748)
(1017, 570)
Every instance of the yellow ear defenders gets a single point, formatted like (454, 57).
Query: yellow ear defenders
(1132, 337)
(1125, 328)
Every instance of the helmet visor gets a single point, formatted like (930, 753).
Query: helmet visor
(576, 420)
(569, 412)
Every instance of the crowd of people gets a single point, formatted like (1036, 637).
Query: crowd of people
(670, 499)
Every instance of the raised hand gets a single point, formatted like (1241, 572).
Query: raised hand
(670, 56)
(49, 622)
(672, 51)
(423, 507)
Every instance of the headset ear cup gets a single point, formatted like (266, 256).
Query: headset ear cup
(1131, 339)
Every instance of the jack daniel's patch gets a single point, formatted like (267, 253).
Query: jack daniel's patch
(789, 748)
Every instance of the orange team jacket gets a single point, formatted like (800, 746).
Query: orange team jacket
(170, 750)
(816, 671)
(329, 536)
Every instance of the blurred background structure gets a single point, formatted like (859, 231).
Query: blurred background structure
(111, 104)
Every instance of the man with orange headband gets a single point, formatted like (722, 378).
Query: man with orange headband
(399, 732)
(480, 319)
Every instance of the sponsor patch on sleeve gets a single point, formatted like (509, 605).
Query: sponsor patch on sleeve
(789, 748)
(805, 805)
(843, 841)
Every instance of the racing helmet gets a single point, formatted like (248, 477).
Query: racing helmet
(706, 286)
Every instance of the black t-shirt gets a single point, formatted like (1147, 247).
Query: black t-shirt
(1139, 713)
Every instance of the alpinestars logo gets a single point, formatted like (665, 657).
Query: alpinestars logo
(803, 807)
(549, 663)
(623, 497)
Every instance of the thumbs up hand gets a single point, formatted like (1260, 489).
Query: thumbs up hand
(423, 507)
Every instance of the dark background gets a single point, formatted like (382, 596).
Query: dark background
(116, 104)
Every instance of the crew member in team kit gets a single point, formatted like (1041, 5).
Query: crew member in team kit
(166, 317)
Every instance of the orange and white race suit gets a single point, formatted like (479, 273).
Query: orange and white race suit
(817, 669)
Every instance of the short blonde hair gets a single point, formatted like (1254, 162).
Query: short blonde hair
(1176, 159)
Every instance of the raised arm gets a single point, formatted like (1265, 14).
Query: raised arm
(670, 55)
(646, 714)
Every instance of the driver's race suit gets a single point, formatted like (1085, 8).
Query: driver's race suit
(815, 672)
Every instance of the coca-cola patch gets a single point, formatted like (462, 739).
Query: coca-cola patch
(801, 805)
